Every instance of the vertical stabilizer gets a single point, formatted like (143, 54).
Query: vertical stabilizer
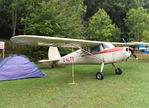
(53, 54)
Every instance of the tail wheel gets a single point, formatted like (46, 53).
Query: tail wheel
(118, 71)
(99, 76)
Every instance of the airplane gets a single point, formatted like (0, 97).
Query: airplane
(89, 52)
(143, 49)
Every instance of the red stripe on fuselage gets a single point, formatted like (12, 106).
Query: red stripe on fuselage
(106, 51)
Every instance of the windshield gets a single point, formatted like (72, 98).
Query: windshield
(107, 45)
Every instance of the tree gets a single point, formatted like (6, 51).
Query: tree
(116, 9)
(139, 3)
(11, 12)
(20, 9)
(145, 36)
(137, 21)
(100, 27)
(56, 18)
(5, 18)
(62, 18)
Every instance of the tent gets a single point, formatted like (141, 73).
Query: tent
(17, 67)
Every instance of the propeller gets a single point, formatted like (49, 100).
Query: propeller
(132, 53)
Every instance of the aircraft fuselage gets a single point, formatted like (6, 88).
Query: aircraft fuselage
(110, 55)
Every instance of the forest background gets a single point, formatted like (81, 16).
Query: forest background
(101, 20)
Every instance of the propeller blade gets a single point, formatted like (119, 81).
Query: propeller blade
(132, 53)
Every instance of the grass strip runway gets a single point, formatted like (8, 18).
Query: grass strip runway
(129, 90)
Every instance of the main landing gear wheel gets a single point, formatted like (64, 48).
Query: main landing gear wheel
(99, 76)
(118, 71)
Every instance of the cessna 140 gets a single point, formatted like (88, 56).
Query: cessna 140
(89, 52)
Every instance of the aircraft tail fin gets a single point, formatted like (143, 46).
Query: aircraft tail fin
(53, 55)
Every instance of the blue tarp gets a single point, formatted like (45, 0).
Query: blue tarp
(18, 67)
(144, 49)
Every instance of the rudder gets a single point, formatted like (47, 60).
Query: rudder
(53, 55)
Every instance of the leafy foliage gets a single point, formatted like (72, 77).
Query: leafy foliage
(101, 28)
(56, 18)
(116, 9)
(145, 36)
(137, 21)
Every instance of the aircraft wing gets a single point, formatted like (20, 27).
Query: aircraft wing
(62, 42)
(52, 41)
(130, 43)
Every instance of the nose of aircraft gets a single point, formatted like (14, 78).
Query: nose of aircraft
(127, 52)
(132, 53)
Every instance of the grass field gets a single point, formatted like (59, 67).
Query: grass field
(129, 90)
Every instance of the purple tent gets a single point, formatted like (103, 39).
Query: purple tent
(17, 67)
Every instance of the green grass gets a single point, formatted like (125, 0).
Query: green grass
(129, 90)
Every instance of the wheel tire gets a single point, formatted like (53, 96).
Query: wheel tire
(99, 76)
(118, 71)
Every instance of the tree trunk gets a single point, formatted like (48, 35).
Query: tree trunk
(14, 22)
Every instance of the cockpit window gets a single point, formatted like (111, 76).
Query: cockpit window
(107, 45)
(95, 49)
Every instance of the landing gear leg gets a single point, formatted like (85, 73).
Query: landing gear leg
(118, 71)
(99, 75)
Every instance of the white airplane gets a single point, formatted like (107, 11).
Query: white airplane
(89, 52)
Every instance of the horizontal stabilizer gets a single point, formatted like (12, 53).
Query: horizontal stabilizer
(42, 61)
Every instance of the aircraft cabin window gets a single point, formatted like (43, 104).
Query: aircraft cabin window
(95, 49)
(107, 45)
